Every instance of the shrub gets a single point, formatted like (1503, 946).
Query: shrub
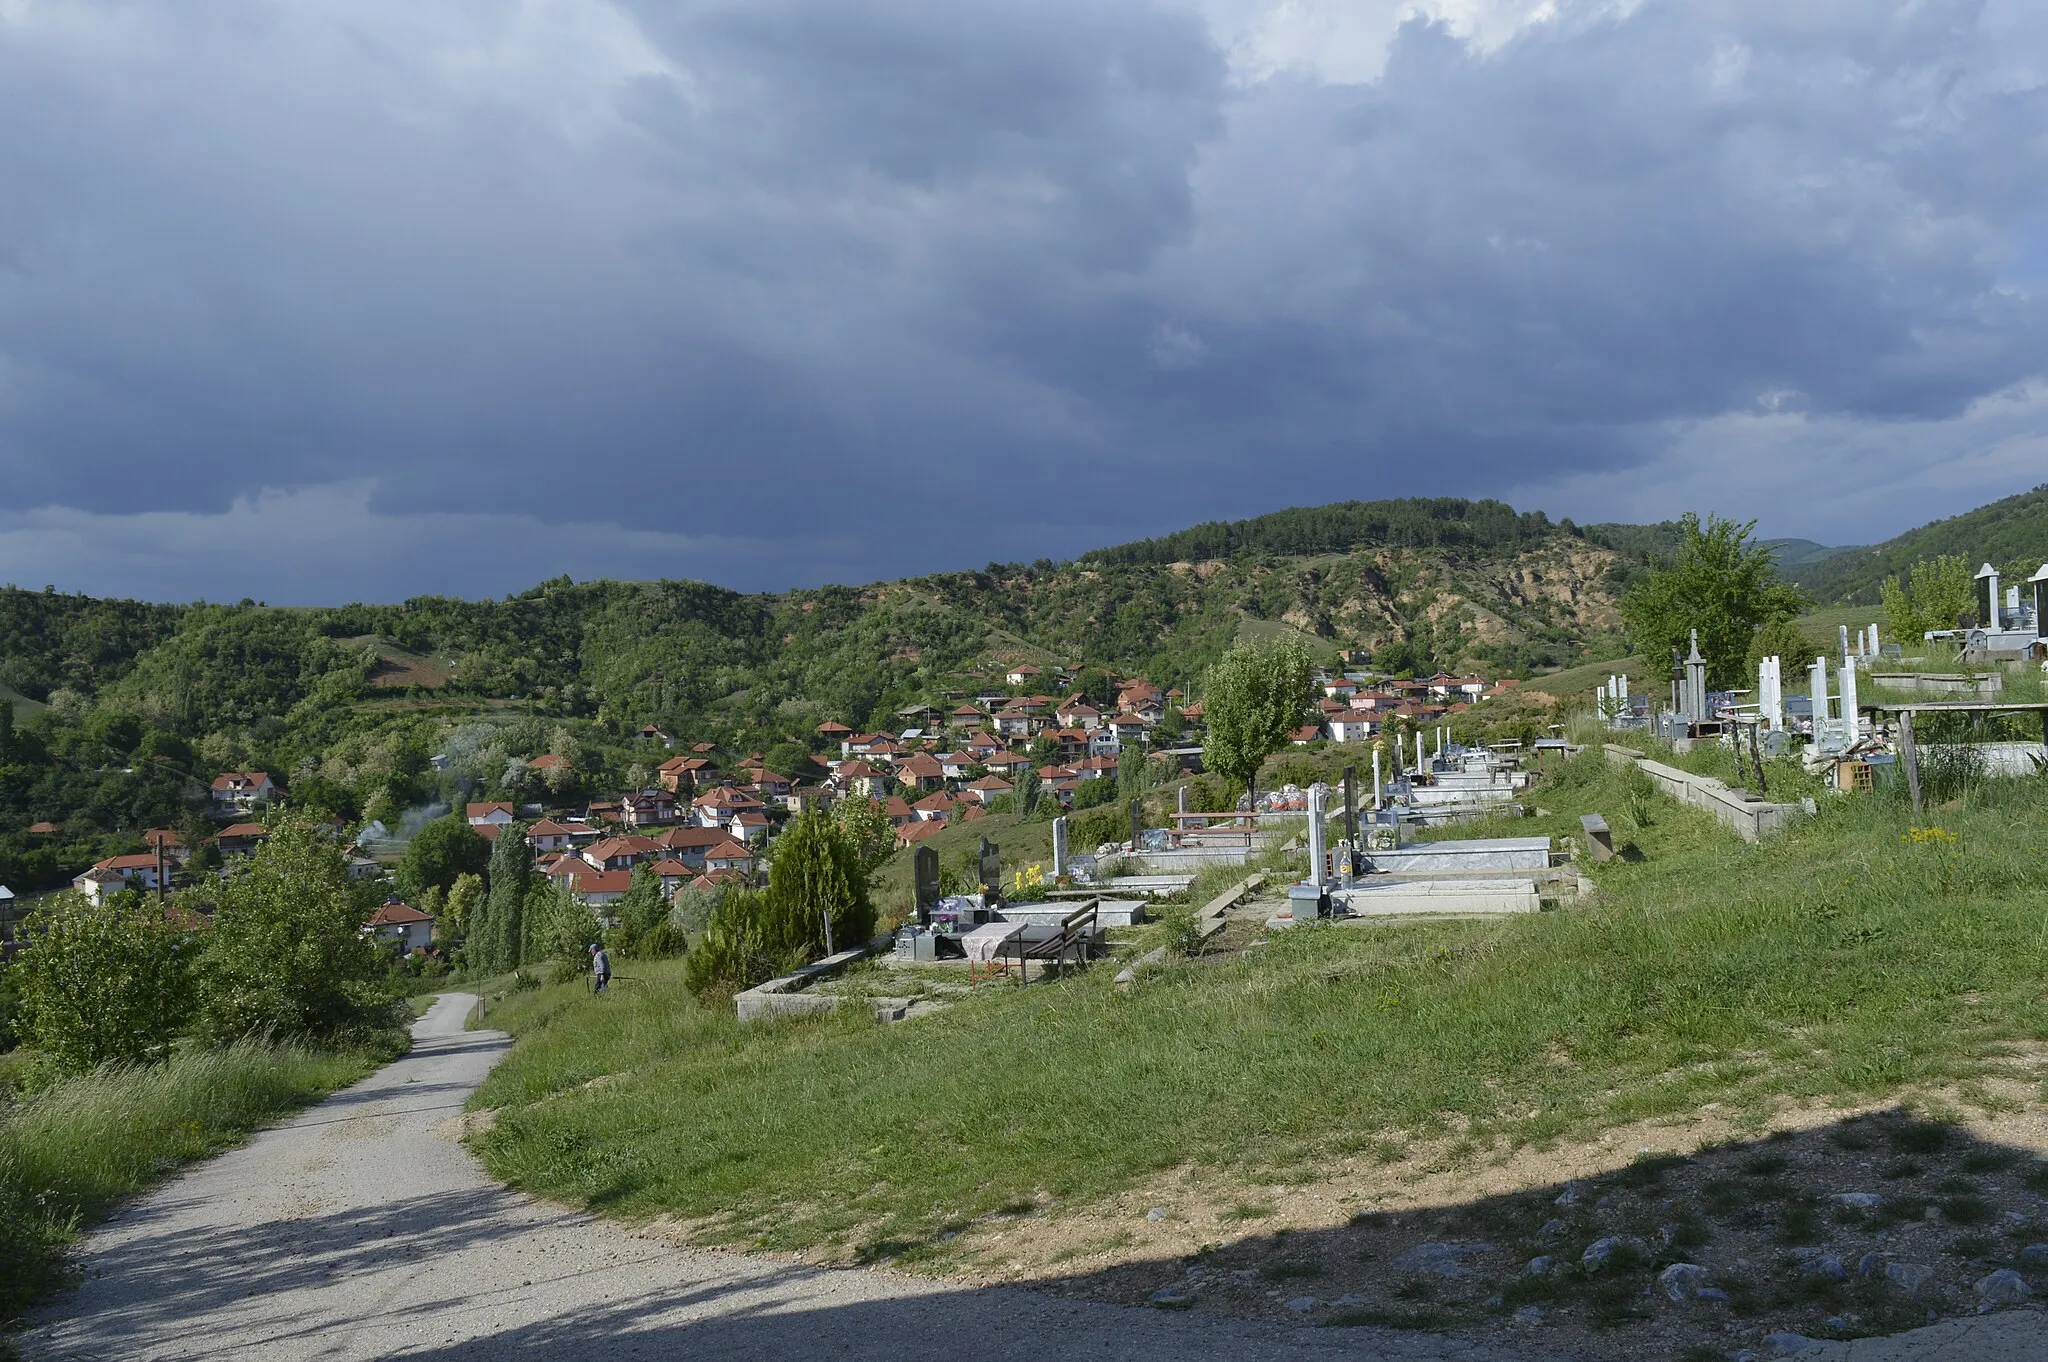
(729, 954)
(102, 985)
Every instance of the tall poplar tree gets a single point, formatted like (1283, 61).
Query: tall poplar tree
(511, 877)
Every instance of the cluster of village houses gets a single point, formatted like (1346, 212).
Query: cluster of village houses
(700, 824)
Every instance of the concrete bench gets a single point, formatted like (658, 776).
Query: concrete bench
(1599, 841)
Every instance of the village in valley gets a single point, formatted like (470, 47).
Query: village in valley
(710, 817)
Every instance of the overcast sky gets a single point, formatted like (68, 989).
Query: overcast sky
(340, 299)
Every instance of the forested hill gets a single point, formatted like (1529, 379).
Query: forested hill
(1421, 584)
(2011, 534)
(1451, 524)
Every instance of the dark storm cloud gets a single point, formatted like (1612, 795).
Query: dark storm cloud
(769, 292)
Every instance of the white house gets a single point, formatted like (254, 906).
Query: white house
(114, 874)
(1103, 742)
(1350, 729)
(403, 926)
(240, 791)
(497, 815)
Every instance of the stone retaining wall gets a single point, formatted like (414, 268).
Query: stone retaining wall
(1751, 817)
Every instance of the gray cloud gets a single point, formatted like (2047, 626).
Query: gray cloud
(768, 292)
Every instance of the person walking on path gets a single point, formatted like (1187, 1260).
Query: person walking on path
(600, 967)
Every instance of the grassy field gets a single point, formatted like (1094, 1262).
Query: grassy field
(23, 706)
(69, 1153)
(1852, 958)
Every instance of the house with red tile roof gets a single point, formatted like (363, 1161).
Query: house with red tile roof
(730, 856)
(548, 835)
(648, 808)
(240, 791)
(986, 789)
(621, 853)
(598, 888)
(239, 839)
(910, 834)
(500, 814)
(116, 873)
(922, 771)
(403, 926)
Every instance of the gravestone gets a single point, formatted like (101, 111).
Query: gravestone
(1182, 799)
(1599, 838)
(1059, 847)
(1351, 805)
(1318, 866)
(925, 878)
(1137, 823)
(991, 867)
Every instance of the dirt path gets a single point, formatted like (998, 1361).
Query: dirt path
(358, 1231)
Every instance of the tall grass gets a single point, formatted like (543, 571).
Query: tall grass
(1846, 959)
(71, 1151)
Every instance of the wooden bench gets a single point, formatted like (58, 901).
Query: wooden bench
(1599, 841)
(1076, 932)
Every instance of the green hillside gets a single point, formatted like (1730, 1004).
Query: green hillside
(2011, 534)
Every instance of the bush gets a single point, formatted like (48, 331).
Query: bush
(1111, 823)
(729, 955)
(1180, 929)
(102, 985)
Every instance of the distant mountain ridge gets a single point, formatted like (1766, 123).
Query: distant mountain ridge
(2011, 534)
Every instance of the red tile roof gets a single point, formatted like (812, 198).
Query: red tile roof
(395, 914)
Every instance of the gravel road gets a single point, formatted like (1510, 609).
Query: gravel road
(358, 1231)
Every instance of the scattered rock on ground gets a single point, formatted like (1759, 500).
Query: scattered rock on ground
(1601, 1251)
(1682, 1281)
(2003, 1287)
(1908, 1277)
(1862, 1201)
(1442, 1260)
(1785, 1343)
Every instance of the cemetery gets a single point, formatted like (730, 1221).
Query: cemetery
(1854, 723)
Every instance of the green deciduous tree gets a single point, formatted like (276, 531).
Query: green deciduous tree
(728, 954)
(815, 880)
(1254, 698)
(865, 828)
(288, 955)
(102, 984)
(459, 908)
(559, 926)
(1723, 584)
(439, 854)
(1933, 594)
(1783, 640)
